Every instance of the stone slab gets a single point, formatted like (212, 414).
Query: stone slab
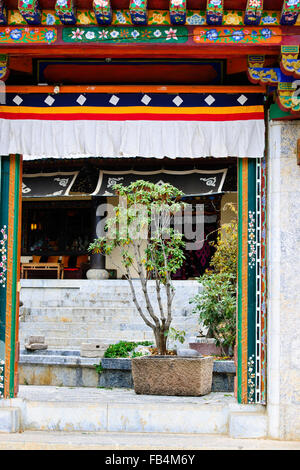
(247, 426)
(36, 346)
(9, 419)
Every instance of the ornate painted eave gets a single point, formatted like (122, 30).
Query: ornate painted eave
(103, 11)
(177, 11)
(287, 95)
(214, 12)
(138, 13)
(3, 13)
(290, 12)
(66, 11)
(253, 13)
(31, 11)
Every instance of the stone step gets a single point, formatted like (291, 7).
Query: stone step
(118, 410)
(75, 343)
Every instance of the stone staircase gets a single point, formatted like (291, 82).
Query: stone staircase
(71, 312)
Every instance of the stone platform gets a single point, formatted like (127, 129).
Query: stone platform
(68, 369)
(66, 409)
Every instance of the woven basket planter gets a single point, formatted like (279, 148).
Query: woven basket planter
(172, 375)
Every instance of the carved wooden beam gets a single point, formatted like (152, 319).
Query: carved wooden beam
(177, 11)
(31, 11)
(3, 13)
(290, 11)
(214, 12)
(4, 70)
(103, 11)
(253, 12)
(138, 11)
(66, 11)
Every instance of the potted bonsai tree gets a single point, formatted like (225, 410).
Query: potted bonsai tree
(152, 250)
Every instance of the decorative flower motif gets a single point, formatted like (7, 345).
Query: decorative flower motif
(171, 34)
(62, 3)
(215, 3)
(120, 17)
(158, 18)
(196, 19)
(90, 35)
(269, 20)
(232, 19)
(77, 34)
(83, 19)
(135, 34)
(238, 36)
(177, 3)
(16, 34)
(49, 35)
(3, 251)
(103, 34)
(157, 33)
(50, 19)
(101, 3)
(292, 3)
(16, 18)
(212, 35)
(114, 34)
(254, 3)
(266, 33)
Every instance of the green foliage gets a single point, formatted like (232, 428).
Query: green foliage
(143, 215)
(99, 368)
(224, 259)
(176, 335)
(123, 348)
(216, 305)
(133, 218)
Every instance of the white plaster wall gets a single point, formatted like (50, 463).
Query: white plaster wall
(283, 281)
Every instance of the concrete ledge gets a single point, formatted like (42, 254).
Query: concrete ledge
(247, 426)
(70, 370)
(9, 419)
(119, 410)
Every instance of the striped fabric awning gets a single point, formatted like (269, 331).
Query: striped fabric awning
(157, 125)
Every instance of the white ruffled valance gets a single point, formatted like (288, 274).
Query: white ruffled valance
(150, 139)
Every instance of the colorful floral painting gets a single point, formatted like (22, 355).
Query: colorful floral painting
(1, 378)
(237, 35)
(234, 18)
(27, 35)
(124, 34)
(50, 18)
(3, 256)
(121, 17)
(65, 11)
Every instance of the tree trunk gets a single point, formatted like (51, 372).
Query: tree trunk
(161, 341)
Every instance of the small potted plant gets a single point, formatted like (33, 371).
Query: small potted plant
(151, 249)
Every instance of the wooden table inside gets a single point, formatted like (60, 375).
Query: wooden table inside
(25, 267)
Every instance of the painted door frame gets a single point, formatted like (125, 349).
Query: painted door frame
(10, 249)
(251, 304)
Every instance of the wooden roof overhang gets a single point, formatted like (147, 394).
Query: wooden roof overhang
(177, 12)
(262, 30)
